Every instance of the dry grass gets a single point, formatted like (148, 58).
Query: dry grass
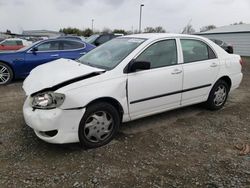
(246, 59)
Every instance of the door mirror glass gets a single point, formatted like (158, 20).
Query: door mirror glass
(139, 65)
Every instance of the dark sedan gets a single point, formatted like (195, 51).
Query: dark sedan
(99, 39)
(227, 47)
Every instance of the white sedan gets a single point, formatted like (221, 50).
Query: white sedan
(127, 78)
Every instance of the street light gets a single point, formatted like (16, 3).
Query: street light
(92, 25)
(142, 5)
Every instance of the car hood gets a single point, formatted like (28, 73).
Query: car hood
(57, 74)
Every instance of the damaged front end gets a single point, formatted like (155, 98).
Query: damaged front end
(65, 72)
(47, 100)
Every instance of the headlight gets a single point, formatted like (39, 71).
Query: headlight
(47, 100)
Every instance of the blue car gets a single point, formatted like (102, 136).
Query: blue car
(18, 64)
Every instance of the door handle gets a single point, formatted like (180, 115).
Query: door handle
(54, 55)
(83, 53)
(214, 65)
(176, 71)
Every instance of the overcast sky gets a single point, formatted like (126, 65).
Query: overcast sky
(172, 15)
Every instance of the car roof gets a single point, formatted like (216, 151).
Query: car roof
(68, 36)
(162, 35)
(61, 39)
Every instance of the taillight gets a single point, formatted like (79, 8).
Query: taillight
(241, 62)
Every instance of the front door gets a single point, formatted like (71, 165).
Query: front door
(158, 89)
(46, 52)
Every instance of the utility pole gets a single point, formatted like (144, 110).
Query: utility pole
(92, 25)
(142, 5)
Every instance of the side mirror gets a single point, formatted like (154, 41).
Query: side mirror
(139, 65)
(34, 50)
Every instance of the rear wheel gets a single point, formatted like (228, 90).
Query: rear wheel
(218, 95)
(99, 125)
(6, 74)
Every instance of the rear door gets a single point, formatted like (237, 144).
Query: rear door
(157, 89)
(72, 49)
(201, 67)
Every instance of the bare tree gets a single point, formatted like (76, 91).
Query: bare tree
(106, 30)
(149, 30)
(8, 31)
(238, 23)
(207, 28)
(121, 31)
(160, 29)
(188, 29)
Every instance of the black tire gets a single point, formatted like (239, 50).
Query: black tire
(88, 141)
(212, 103)
(6, 74)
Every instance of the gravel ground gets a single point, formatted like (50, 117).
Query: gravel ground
(189, 147)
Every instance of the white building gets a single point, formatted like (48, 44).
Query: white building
(42, 33)
(236, 35)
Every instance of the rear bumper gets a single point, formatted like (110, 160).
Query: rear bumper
(64, 123)
(236, 80)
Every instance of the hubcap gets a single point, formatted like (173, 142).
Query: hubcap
(98, 126)
(4, 74)
(220, 95)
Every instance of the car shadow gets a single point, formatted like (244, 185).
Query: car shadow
(161, 119)
(127, 129)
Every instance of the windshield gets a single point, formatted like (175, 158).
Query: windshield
(110, 54)
(92, 38)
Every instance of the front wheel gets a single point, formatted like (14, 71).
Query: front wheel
(6, 74)
(218, 95)
(99, 125)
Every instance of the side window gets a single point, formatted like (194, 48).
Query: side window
(195, 50)
(102, 39)
(10, 43)
(160, 54)
(19, 42)
(49, 46)
(72, 45)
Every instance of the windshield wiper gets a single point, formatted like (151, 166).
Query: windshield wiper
(93, 65)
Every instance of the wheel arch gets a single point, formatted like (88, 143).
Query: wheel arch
(111, 101)
(227, 79)
(9, 64)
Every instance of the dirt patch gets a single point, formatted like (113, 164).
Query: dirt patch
(189, 147)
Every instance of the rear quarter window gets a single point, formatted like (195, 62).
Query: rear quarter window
(10, 43)
(195, 50)
(19, 43)
(72, 45)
